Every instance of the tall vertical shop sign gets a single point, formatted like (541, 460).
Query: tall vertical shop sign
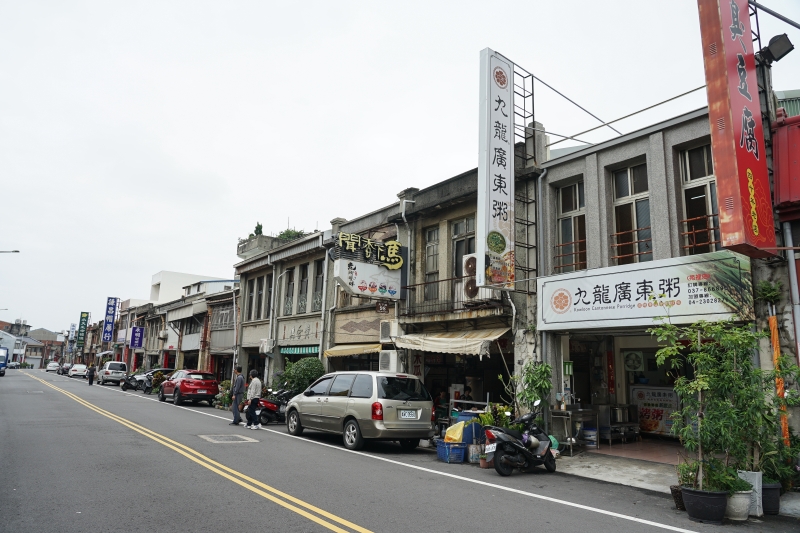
(71, 337)
(82, 324)
(108, 324)
(137, 337)
(495, 225)
(737, 138)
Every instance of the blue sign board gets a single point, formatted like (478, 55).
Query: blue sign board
(137, 337)
(108, 325)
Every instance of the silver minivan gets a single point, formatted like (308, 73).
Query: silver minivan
(364, 405)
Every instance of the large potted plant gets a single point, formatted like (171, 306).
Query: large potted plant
(713, 353)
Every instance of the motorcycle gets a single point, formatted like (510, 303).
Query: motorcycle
(524, 450)
(131, 382)
(147, 384)
(273, 409)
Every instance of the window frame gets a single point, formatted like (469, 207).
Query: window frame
(467, 237)
(288, 295)
(250, 295)
(632, 199)
(577, 261)
(709, 184)
(431, 266)
(259, 297)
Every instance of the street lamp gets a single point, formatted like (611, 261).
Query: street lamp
(778, 47)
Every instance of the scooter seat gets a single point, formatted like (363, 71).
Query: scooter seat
(514, 433)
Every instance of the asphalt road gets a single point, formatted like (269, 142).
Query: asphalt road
(77, 458)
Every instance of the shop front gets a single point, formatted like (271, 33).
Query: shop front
(604, 355)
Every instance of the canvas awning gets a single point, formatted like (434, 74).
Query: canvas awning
(104, 353)
(299, 349)
(470, 342)
(352, 349)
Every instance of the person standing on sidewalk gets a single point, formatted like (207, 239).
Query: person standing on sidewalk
(253, 395)
(90, 373)
(237, 390)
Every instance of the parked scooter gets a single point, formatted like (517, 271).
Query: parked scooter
(131, 382)
(147, 384)
(524, 450)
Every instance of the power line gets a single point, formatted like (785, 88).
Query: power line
(632, 114)
(575, 103)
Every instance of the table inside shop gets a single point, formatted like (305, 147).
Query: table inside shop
(445, 420)
(569, 418)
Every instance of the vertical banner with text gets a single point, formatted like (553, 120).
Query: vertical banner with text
(737, 139)
(137, 337)
(495, 218)
(108, 324)
(71, 337)
(82, 325)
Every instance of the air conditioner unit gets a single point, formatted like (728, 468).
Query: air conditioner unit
(389, 361)
(468, 288)
(163, 334)
(389, 330)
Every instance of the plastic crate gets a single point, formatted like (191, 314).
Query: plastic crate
(451, 452)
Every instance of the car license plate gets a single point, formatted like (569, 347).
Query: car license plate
(283, 409)
(408, 414)
(490, 447)
(202, 392)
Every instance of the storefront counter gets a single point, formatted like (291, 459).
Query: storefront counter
(572, 421)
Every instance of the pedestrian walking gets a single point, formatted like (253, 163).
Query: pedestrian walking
(237, 390)
(253, 395)
(90, 373)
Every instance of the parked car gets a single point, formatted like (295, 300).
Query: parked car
(52, 367)
(64, 369)
(77, 371)
(194, 385)
(3, 360)
(112, 372)
(13, 364)
(364, 405)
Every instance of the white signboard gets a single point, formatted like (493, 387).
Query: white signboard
(714, 286)
(656, 405)
(367, 279)
(495, 224)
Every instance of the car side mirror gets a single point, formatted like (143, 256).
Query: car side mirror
(308, 393)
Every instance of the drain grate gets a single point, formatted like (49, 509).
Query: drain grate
(226, 439)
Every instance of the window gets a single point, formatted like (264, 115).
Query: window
(222, 316)
(571, 248)
(632, 240)
(431, 264)
(341, 385)
(268, 301)
(319, 278)
(191, 325)
(302, 297)
(463, 243)
(320, 387)
(401, 389)
(362, 386)
(288, 297)
(701, 223)
(259, 297)
(251, 291)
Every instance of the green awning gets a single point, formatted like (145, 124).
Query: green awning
(294, 350)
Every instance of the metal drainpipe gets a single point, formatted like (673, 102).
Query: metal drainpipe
(795, 293)
(322, 305)
(235, 336)
(331, 310)
(410, 242)
(539, 264)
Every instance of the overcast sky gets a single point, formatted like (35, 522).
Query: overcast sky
(137, 137)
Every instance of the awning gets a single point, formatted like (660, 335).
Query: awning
(471, 342)
(352, 349)
(104, 353)
(293, 350)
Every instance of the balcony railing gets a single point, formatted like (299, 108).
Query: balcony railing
(632, 246)
(453, 295)
(570, 256)
(701, 234)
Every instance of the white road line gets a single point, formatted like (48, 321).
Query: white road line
(453, 476)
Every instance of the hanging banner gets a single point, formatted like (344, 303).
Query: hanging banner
(82, 325)
(369, 268)
(494, 228)
(108, 324)
(737, 139)
(137, 337)
(714, 286)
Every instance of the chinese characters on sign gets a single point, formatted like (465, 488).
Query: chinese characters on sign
(655, 407)
(108, 324)
(386, 254)
(137, 337)
(82, 324)
(709, 286)
(495, 219)
(737, 139)
(366, 267)
(71, 337)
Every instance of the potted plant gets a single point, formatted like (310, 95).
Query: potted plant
(485, 463)
(713, 352)
(739, 495)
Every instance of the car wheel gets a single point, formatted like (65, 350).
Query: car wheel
(502, 469)
(161, 397)
(176, 397)
(409, 445)
(293, 424)
(352, 436)
(550, 462)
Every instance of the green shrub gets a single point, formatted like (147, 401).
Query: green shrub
(303, 373)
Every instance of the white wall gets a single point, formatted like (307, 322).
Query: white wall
(167, 286)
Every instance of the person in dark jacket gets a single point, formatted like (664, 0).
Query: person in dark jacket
(237, 391)
(90, 373)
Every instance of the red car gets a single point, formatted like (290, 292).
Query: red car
(194, 385)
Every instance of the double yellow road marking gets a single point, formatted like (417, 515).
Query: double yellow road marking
(287, 501)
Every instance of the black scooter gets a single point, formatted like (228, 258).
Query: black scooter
(147, 384)
(511, 449)
(131, 382)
